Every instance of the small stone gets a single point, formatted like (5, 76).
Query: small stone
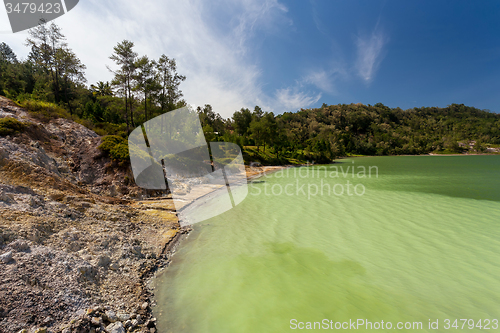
(47, 320)
(6, 257)
(23, 331)
(114, 266)
(6, 197)
(103, 261)
(115, 328)
(134, 323)
(136, 250)
(96, 321)
(128, 323)
(90, 311)
(111, 316)
(123, 316)
(41, 330)
(152, 330)
(144, 305)
(150, 323)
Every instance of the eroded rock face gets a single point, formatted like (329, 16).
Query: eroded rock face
(70, 255)
(60, 154)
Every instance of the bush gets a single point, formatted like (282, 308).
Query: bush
(45, 111)
(116, 147)
(111, 129)
(9, 126)
(120, 152)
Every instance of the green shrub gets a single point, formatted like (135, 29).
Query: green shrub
(100, 131)
(120, 152)
(9, 126)
(111, 129)
(45, 111)
(116, 147)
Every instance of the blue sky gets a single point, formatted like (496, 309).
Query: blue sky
(289, 55)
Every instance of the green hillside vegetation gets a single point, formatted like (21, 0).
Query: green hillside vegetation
(50, 83)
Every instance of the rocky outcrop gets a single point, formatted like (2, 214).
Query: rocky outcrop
(76, 246)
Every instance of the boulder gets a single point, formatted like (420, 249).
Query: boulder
(115, 328)
(6, 257)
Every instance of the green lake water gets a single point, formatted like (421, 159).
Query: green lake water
(419, 241)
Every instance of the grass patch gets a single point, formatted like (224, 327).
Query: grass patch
(116, 147)
(9, 126)
(45, 111)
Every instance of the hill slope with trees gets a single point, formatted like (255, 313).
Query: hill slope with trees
(51, 83)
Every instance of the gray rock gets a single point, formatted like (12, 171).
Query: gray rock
(111, 316)
(19, 245)
(136, 250)
(103, 261)
(6, 257)
(6, 197)
(87, 271)
(144, 305)
(123, 316)
(114, 266)
(115, 328)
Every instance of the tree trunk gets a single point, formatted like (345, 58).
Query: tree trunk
(126, 109)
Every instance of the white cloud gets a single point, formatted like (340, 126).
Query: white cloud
(320, 79)
(292, 99)
(218, 64)
(370, 54)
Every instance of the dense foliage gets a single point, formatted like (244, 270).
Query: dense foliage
(50, 83)
(116, 147)
(324, 133)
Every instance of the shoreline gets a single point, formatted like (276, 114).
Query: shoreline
(99, 256)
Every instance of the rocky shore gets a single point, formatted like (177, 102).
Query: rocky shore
(78, 240)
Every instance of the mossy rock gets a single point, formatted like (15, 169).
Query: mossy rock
(10, 126)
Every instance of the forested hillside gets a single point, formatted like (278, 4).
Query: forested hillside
(51, 83)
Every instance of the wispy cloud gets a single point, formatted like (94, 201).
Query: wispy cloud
(291, 99)
(320, 79)
(329, 78)
(251, 16)
(217, 63)
(370, 54)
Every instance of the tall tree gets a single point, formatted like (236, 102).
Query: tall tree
(125, 57)
(242, 120)
(45, 41)
(169, 81)
(146, 80)
(6, 53)
(72, 73)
